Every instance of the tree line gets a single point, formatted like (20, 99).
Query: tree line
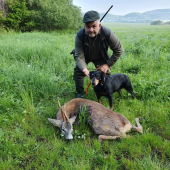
(43, 15)
(159, 22)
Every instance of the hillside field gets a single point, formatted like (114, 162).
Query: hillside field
(36, 69)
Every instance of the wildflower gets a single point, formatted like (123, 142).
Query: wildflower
(77, 123)
(24, 111)
(28, 65)
(90, 121)
(76, 113)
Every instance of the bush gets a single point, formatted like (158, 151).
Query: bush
(18, 17)
(1, 18)
(158, 22)
(1, 21)
(54, 14)
(167, 23)
(45, 15)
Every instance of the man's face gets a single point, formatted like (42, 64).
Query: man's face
(92, 28)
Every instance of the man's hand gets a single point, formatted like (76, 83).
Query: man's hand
(86, 72)
(103, 68)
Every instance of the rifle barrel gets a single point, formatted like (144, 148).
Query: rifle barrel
(106, 13)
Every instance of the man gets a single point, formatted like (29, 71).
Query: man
(91, 45)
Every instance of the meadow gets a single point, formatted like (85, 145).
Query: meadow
(36, 69)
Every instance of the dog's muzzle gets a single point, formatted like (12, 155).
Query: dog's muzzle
(94, 81)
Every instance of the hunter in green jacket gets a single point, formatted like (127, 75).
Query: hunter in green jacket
(91, 45)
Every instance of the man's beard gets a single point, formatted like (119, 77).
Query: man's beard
(91, 35)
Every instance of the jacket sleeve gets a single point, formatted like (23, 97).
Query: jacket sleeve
(79, 54)
(117, 49)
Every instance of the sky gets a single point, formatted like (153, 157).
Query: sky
(121, 7)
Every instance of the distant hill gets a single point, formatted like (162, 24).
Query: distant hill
(136, 17)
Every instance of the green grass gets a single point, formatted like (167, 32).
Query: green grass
(36, 70)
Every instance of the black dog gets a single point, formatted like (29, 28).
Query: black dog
(106, 85)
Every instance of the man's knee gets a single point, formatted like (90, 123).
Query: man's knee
(79, 80)
(78, 74)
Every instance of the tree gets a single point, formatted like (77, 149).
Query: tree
(54, 14)
(18, 17)
(45, 15)
(168, 23)
(157, 22)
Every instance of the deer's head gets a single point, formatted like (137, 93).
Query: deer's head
(65, 125)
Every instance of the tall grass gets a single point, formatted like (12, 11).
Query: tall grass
(36, 69)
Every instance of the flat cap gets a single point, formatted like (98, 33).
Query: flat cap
(91, 16)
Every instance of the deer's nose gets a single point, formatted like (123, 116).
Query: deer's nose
(68, 140)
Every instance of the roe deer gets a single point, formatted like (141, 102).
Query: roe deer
(106, 123)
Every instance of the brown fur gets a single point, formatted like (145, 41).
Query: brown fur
(106, 123)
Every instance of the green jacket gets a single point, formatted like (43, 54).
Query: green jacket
(105, 39)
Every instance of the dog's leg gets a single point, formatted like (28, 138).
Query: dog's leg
(99, 101)
(99, 98)
(129, 88)
(131, 92)
(120, 92)
(133, 95)
(110, 97)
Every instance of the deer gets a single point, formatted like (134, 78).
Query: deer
(105, 123)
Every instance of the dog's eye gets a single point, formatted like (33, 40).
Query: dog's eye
(97, 75)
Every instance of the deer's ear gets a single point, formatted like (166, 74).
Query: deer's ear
(55, 122)
(72, 120)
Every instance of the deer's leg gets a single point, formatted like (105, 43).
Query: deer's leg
(139, 126)
(101, 138)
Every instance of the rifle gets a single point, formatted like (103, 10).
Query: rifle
(100, 21)
(106, 13)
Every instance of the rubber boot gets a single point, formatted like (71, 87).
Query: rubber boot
(79, 96)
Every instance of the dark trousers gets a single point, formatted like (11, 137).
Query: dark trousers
(79, 76)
